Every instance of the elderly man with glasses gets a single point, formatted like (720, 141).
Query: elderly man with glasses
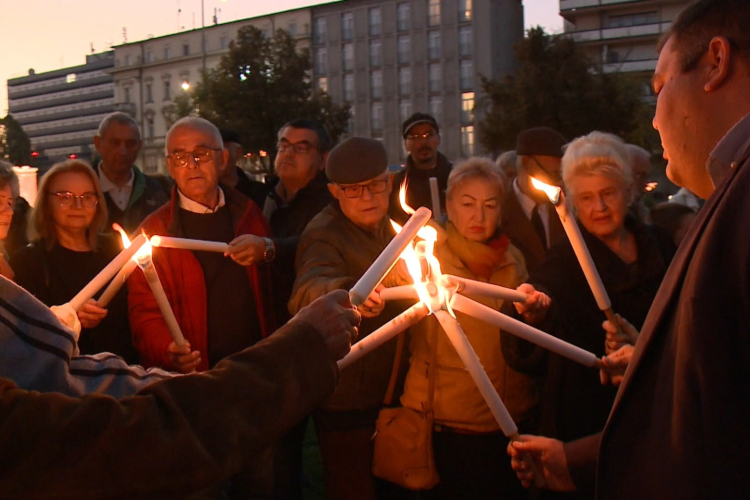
(334, 251)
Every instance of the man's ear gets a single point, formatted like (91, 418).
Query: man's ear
(224, 161)
(97, 142)
(718, 58)
(334, 190)
(324, 159)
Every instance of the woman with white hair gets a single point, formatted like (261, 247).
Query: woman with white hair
(631, 258)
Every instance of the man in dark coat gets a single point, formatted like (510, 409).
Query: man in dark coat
(678, 426)
(234, 176)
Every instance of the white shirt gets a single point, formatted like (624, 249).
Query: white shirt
(527, 204)
(195, 207)
(119, 194)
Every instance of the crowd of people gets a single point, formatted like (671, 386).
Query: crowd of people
(110, 405)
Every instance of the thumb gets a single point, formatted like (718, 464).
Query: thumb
(531, 444)
(340, 297)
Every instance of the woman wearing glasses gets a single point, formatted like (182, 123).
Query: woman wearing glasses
(66, 251)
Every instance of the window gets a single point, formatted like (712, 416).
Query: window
(376, 117)
(150, 127)
(404, 49)
(347, 61)
(347, 26)
(293, 29)
(404, 109)
(321, 61)
(467, 140)
(633, 19)
(127, 94)
(466, 72)
(465, 41)
(467, 107)
(127, 59)
(323, 84)
(149, 57)
(404, 81)
(464, 10)
(348, 88)
(224, 42)
(185, 49)
(403, 17)
(433, 12)
(167, 91)
(376, 53)
(436, 107)
(70, 78)
(433, 44)
(375, 21)
(376, 84)
(319, 30)
(149, 92)
(167, 53)
(435, 77)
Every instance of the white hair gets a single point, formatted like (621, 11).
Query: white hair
(196, 123)
(597, 153)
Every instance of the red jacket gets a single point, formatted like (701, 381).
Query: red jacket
(182, 277)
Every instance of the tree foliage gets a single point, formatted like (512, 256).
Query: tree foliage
(556, 85)
(259, 85)
(15, 145)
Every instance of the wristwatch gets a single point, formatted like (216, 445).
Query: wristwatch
(270, 252)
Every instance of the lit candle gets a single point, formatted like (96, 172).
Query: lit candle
(149, 270)
(383, 334)
(116, 283)
(473, 287)
(388, 257)
(187, 244)
(526, 332)
(404, 292)
(435, 195)
(107, 273)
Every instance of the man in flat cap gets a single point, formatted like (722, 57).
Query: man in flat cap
(334, 251)
(529, 219)
(421, 141)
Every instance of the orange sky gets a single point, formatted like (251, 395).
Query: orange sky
(53, 34)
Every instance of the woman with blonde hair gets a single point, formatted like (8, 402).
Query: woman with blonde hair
(67, 249)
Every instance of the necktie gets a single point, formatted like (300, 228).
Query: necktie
(536, 221)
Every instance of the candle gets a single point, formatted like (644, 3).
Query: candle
(404, 292)
(116, 283)
(187, 244)
(145, 263)
(472, 287)
(107, 273)
(473, 365)
(388, 257)
(435, 195)
(383, 334)
(526, 332)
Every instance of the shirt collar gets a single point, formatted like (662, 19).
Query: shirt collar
(729, 152)
(195, 207)
(108, 185)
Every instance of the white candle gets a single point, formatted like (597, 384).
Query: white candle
(107, 273)
(435, 195)
(388, 257)
(149, 270)
(404, 292)
(116, 283)
(383, 334)
(473, 287)
(526, 332)
(187, 244)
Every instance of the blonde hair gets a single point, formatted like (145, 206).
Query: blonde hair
(597, 153)
(476, 167)
(42, 226)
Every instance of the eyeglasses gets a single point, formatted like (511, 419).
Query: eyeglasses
(426, 135)
(592, 199)
(355, 191)
(199, 155)
(299, 148)
(66, 199)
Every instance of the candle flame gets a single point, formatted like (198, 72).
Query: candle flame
(143, 256)
(123, 235)
(552, 192)
(650, 186)
(402, 199)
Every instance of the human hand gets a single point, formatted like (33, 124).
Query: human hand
(374, 305)
(335, 319)
(247, 249)
(616, 338)
(614, 365)
(91, 314)
(68, 316)
(534, 309)
(181, 358)
(549, 456)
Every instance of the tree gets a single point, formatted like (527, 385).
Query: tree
(556, 85)
(15, 145)
(182, 105)
(261, 84)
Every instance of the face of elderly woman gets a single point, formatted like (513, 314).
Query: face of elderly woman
(601, 203)
(6, 210)
(475, 208)
(74, 201)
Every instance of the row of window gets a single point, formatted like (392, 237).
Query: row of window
(95, 119)
(22, 115)
(69, 78)
(148, 90)
(168, 52)
(375, 20)
(38, 142)
(64, 93)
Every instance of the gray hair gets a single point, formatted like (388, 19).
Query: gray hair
(195, 122)
(8, 177)
(597, 153)
(638, 155)
(508, 161)
(476, 167)
(117, 117)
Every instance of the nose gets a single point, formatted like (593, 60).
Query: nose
(366, 193)
(191, 162)
(4, 209)
(480, 214)
(600, 203)
(77, 202)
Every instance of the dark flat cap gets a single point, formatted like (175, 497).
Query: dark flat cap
(357, 159)
(540, 141)
(416, 119)
(229, 135)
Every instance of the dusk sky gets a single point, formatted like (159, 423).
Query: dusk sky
(53, 34)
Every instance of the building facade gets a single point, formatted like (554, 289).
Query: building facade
(60, 110)
(390, 58)
(620, 35)
(149, 74)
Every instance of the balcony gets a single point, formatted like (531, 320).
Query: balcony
(606, 34)
(566, 5)
(630, 66)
